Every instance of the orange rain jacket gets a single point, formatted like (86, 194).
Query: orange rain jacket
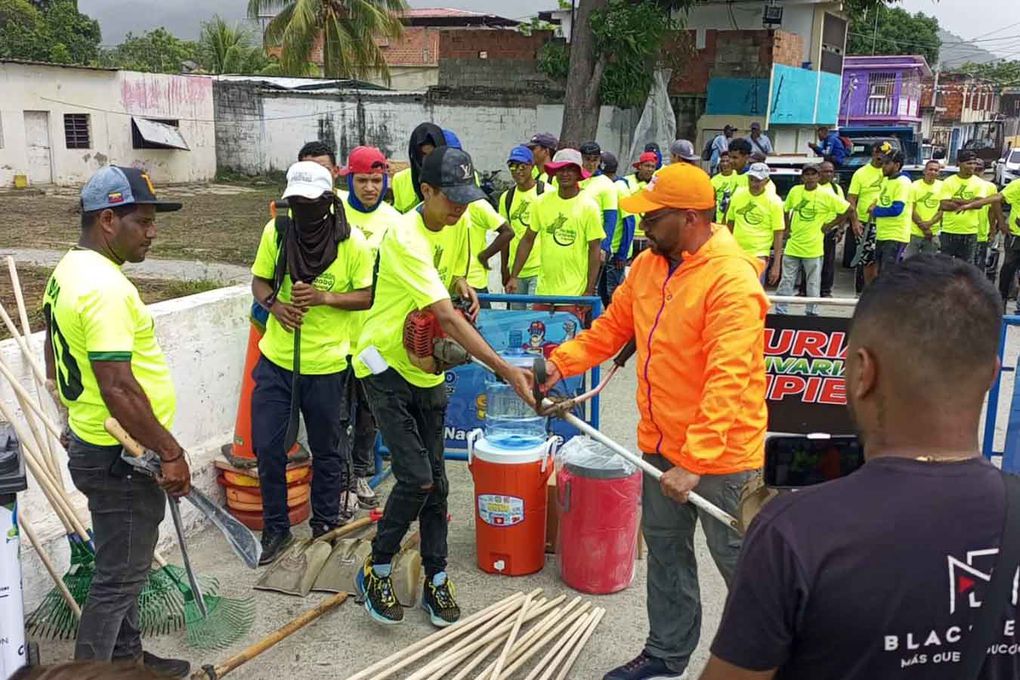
(700, 354)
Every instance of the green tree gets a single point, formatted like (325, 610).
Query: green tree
(155, 51)
(229, 49)
(22, 31)
(74, 34)
(1002, 73)
(348, 29)
(878, 29)
(56, 32)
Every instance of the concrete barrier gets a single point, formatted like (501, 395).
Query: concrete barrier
(204, 337)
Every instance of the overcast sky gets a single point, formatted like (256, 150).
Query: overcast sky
(967, 18)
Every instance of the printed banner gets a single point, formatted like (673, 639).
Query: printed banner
(535, 333)
(804, 357)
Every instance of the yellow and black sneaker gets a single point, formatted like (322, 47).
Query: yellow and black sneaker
(438, 600)
(377, 592)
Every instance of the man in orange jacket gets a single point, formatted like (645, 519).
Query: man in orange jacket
(694, 304)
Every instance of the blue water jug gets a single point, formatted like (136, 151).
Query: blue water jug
(509, 421)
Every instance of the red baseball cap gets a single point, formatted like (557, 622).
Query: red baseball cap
(365, 160)
(647, 157)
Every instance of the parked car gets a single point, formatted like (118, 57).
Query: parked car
(1008, 168)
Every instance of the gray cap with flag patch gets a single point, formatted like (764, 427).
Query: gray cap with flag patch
(452, 171)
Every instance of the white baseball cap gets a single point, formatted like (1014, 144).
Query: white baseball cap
(758, 171)
(308, 179)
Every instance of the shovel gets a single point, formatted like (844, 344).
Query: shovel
(407, 572)
(348, 556)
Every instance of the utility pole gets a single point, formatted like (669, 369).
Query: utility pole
(874, 34)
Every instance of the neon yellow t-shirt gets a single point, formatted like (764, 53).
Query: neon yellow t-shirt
(896, 228)
(565, 227)
(984, 216)
(481, 218)
(810, 210)
(519, 219)
(865, 184)
(956, 189)
(635, 185)
(837, 191)
(542, 176)
(1011, 193)
(602, 190)
(326, 331)
(417, 267)
(724, 186)
(622, 192)
(755, 219)
(373, 226)
(926, 204)
(95, 314)
(404, 198)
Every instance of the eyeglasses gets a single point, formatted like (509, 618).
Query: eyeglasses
(514, 165)
(657, 215)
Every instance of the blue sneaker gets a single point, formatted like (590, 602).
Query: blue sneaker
(438, 600)
(377, 593)
(644, 667)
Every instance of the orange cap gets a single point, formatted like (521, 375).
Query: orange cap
(678, 185)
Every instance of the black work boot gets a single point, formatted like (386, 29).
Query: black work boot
(171, 668)
(273, 545)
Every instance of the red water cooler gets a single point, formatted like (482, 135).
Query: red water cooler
(599, 517)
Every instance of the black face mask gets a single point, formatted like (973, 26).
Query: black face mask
(310, 216)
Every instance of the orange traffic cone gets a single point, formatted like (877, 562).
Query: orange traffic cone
(240, 452)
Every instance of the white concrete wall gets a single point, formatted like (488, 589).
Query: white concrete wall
(109, 98)
(204, 337)
(488, 131)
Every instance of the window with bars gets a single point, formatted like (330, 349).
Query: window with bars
(76, 131)
(880, 94)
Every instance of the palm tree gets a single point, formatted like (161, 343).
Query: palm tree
(230, 49)
(348, 29)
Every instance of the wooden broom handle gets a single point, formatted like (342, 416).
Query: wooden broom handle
(246, 655)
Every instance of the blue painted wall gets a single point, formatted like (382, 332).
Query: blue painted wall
(738, 96)
(793, 96)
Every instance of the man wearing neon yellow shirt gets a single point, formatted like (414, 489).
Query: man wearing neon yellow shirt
(543, 145)
(102, 360)
(927, 217)
(421, 264)
(311, 290)
(724, 184)
(365, 179)
(1011, 231)
(865, 186)
(988, 219)
(515, 207)
(892, 212)
(807, 216)
(827, 180)
(569, 224)
(959, 226)
(406, 190)
(644, 169)
(601, 188)
(757, 221)
(615, 267)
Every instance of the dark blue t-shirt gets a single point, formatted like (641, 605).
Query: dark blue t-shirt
(877, 575)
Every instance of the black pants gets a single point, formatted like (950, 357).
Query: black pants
(1010, 265)
(326, 410)
(829, 262)
(961, 246)
(126, 508)
(888, 254)
(363, 452)
(411, 422)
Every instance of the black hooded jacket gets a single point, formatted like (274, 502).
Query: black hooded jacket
(426, 133)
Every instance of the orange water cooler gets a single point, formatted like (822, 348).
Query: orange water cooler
(510, 504)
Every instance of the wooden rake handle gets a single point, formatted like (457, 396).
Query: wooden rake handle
(210, 672)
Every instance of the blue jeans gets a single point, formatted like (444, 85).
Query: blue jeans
(325, 405)
(610, 279)
(528, 286)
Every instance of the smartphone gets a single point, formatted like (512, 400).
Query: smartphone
(798, 461)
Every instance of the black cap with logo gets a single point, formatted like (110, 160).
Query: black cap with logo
(453, 173)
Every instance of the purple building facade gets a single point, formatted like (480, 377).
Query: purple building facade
(883, 90)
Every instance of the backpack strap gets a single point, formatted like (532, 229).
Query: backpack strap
(508, 198)
(999, 595)
(282, 223)
(540, 187)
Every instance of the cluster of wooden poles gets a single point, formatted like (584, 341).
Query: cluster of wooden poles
(516, 630)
